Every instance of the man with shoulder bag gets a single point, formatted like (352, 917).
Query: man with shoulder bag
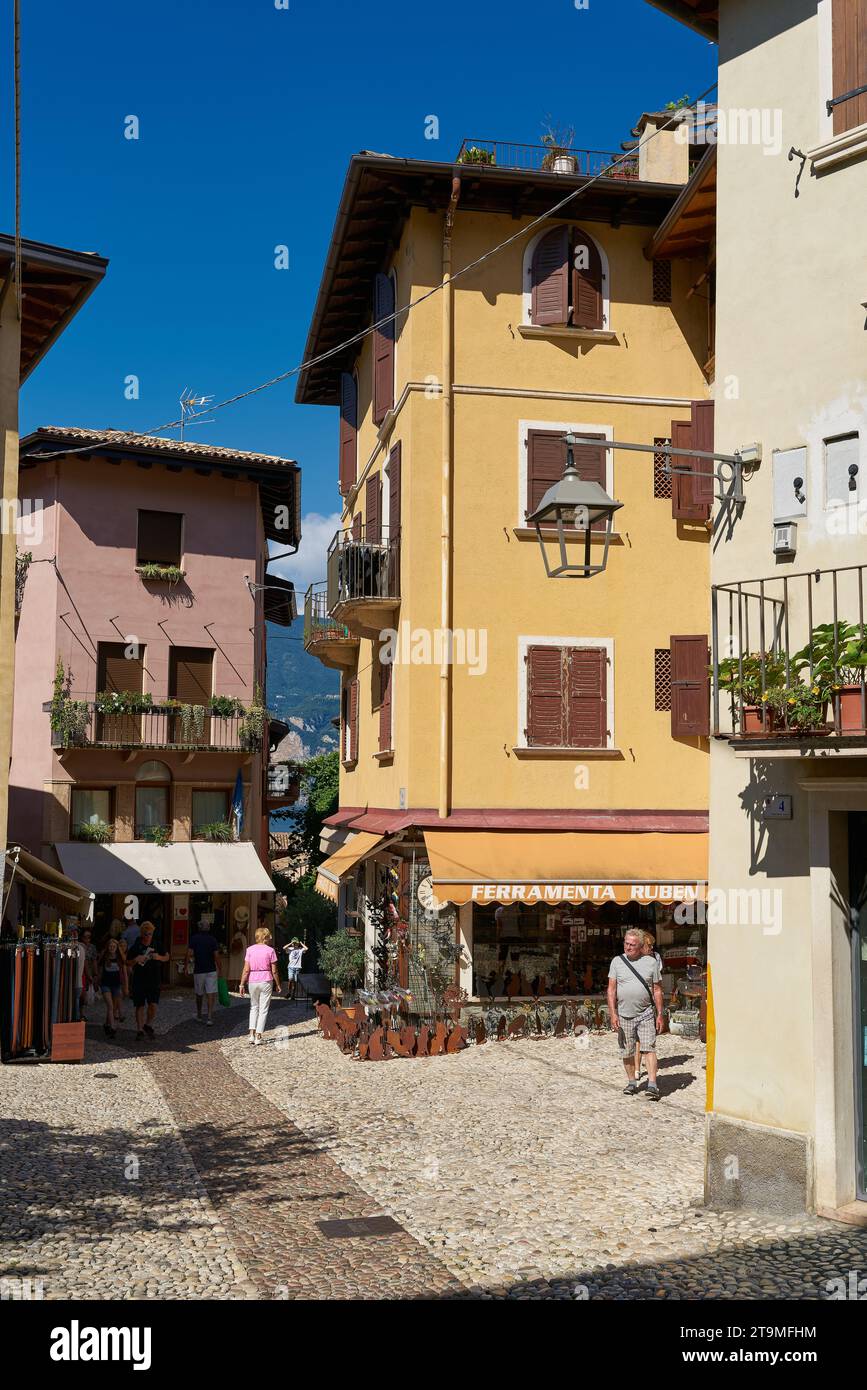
(635, 1004)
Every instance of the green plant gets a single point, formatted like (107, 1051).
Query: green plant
(122, 701)
(171, 574)
(475, 154)
(341, 958)
(217, 831)
(68, 717)
(802, 706)
(192, 723)
(677, 105)
(750, 679)
(225, 706)
(98, 832)
(159, 835)
(22, 565)
(251, 730)
(558, 141)
(837, 652)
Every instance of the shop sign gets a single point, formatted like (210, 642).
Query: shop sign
(586, 892)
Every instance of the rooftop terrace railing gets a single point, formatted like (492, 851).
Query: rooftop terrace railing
(549, 159)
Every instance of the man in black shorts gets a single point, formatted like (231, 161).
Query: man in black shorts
(144, 959)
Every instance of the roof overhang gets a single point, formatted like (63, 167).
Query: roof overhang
(690, 227)
(279, 600)
(700, 15)
(138, 866)
(378, 195)
(45, 884)
(55, 284)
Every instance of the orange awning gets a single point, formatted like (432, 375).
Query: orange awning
(343, 861)
(566, 866)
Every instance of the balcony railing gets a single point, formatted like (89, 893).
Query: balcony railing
(319, 626)
(361, 570)
(790, 658)
(160, 726)
(545, 159)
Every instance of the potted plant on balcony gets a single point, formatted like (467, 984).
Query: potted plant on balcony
(559, 158)
(159, 835)
(251, 730)
(68, 717)
(744, 679)
(217, 831)
(839, 657)
(96, 831)
(803, 705)
(225, 706)
(123, 701)
(477, 154)
(341, 959)
(168, 574)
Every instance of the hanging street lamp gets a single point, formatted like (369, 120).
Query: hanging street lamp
(573, 505)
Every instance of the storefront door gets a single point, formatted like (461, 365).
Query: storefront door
(858, 899)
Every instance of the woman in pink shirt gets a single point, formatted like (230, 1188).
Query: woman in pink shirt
(260, 969)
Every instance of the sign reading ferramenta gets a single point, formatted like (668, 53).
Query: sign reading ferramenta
(586, 892)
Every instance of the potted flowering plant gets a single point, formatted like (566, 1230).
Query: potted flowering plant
(838, 655)
(559, 158)
(756, 688)
(803, 706)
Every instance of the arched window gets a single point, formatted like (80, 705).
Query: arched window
(566, 280)
(152, 798)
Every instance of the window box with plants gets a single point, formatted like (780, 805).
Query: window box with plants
(164, 574)
(477, 154)
(216, 831)
(123, 702)
(157, 834)
(96, 832)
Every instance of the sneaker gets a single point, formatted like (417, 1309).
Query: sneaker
(631, 1088)
(652, 1093)
(150, 1032)
(257, 1042)
(253, 1040)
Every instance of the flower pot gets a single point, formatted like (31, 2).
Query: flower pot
(563, 164)
(752, 722)
(847, 704)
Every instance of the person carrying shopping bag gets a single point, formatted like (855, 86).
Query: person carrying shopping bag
(260, 969)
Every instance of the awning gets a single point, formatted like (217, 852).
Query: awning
(141, 867)
(343, 861)
(505, 866)
(45, 883)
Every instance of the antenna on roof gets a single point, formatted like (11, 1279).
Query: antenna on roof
(190, 408)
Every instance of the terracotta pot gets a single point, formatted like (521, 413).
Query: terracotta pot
(752, 723)
(847, 701)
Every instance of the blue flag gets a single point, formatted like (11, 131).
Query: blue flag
(238, 806)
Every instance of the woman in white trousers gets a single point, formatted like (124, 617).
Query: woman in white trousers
(260, 975)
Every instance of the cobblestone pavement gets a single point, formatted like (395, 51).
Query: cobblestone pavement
(197, 1167)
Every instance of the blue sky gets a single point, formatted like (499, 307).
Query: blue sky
(248, 116)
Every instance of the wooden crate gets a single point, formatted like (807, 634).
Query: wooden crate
(67, 1042)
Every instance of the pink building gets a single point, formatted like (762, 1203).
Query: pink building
(140, 670)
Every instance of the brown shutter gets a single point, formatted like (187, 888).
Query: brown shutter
(590, 463)
(356, 527)
(587, 297)
(191, 681)
(702, 438)
(549, 278)
(385, 680)
(383, 348)
(690, 687)
(348, 431)
(114, 672)
(545, 698)
(546, 459)
(849, 45)
(394, 514)
(587, 702)
(353, 720)
(159, 538)
(684, 504)
(373, 510)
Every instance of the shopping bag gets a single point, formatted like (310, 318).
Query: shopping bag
(223, 991)
(89, 997)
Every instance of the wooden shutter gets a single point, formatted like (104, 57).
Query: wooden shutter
(394, 513)
(549, 278)
(684, 502)
(849, 46)
(586, 697)
(348, 431)
(385, 683)
(546, 459)
(373, 510)
(191, 681)
(702, 438)
(690, 687)
(356, 527)
(353, 720)
(587, 297)
(590, 463)
(545, 698)
(383, 348)
(159, 538)
(114, 672)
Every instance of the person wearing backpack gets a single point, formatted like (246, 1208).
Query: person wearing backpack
(635, 1004)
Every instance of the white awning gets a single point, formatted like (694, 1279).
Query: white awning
(141, 867)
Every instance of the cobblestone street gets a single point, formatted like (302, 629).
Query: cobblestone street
(199, 1167)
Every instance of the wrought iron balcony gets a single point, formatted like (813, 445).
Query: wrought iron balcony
(81, 723)
(324, 637)
(790, 663)
(363, 585)
(549, 159)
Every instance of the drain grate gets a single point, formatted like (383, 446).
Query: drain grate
(359, 1226)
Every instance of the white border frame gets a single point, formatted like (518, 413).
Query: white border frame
(527, 275)
(525, 642)
(524, 428)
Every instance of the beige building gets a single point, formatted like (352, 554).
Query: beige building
(52, 286)
(788, 1081)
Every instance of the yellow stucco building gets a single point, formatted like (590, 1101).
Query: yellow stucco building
(523, 758)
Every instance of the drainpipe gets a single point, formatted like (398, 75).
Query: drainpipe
(446, 508)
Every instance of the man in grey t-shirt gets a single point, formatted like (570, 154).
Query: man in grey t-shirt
(635, 1006)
